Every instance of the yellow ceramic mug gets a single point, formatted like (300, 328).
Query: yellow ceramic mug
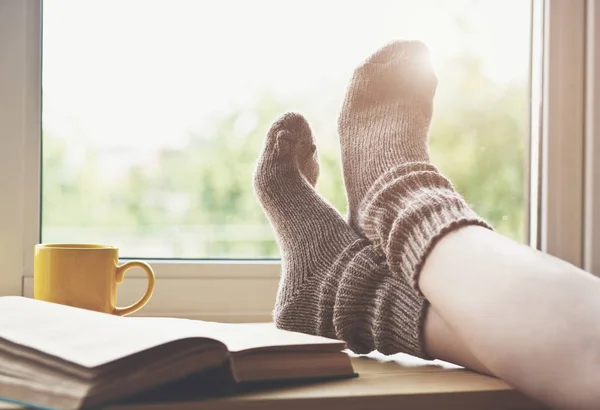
(84, 276)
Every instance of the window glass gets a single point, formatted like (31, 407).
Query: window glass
(154, 112)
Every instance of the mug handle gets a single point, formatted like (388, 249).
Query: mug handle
(121, 269)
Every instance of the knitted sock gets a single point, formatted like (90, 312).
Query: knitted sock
(401, 201)
(333, 283)
(385, 117)
(407, 211)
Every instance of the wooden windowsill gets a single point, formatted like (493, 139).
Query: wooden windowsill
(397, 382)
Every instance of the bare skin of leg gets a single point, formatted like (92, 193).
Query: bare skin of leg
(443, 343)
(531, 319)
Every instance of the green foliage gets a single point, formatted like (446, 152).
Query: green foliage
(198, 201)
(479, 141)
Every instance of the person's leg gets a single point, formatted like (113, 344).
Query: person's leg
(333, 283)
(532, 319)
(444, 343)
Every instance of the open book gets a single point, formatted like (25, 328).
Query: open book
(63, 357)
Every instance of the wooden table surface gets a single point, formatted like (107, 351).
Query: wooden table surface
(397, 382)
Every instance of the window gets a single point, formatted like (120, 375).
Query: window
(153, 117)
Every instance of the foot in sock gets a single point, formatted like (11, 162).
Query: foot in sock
(400, 201)
(333, 282)
(385, 118)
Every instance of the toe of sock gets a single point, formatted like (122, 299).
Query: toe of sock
(292, 122)
(404, 49)
(285, 133)
(397, 68)
(291, 136)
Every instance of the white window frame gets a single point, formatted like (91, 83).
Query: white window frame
(562, 204)
(558, 145)
(20, 119)
(591, 252)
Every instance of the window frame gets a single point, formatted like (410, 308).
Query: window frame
(557, 153)
(562, 200)
(20, 119)
(591, 251)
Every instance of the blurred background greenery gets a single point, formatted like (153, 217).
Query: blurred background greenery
(195, 199)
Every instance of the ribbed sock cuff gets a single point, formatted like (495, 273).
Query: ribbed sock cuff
(375, 310)
(407, 211)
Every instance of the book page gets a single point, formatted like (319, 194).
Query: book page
(246, 336)
(79, 336)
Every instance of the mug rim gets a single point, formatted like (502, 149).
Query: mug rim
(76, 246)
